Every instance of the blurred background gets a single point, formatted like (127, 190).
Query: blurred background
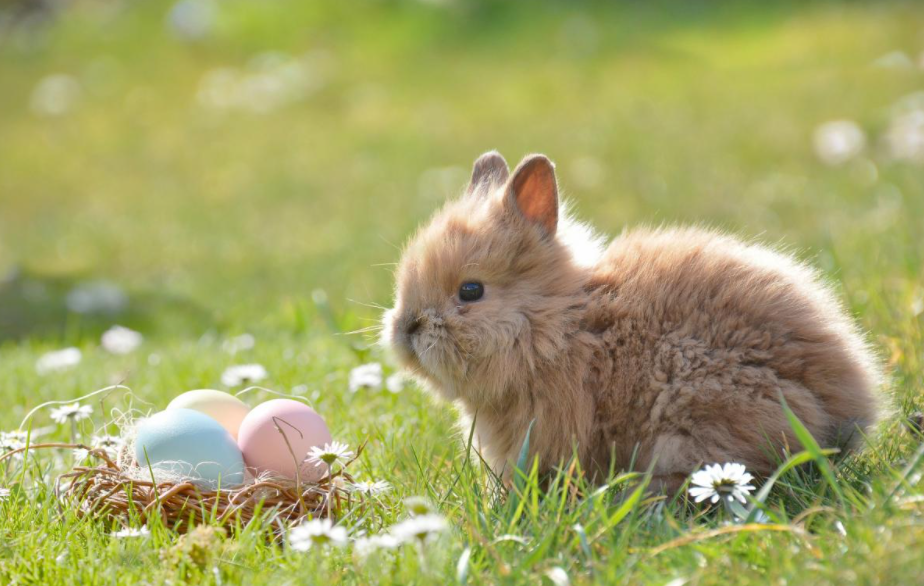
(218, 165)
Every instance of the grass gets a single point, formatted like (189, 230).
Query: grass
(283, 224)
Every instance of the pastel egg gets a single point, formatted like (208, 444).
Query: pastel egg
(266, 450)
(191, 445)
(226, 409)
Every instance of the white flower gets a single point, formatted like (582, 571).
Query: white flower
(557, 576)
(330, 454)
(12, 440)
(371, 488)
(321, 532)
(239, 343)
(55, 95)
(367, 376)
(419, 505)
(838, 141)
(363, 546)
(110, 443)
(58, 360)
(906, 136)
(4, 493)
(143, 531)
(729, 481)
(121, 340)
(422, 528)
(243, 373)
(395, 383)
(72, 412)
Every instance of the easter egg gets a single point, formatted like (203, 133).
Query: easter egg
(191, 445)
(226, 409)
(266, 450)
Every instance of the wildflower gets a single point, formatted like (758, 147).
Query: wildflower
(121, 340)
(111, 444)
(238, 344)
(418, 505)
(320, 532)
(729, 481)
(330, 454)
(143, 531)
(11, 441)
(367, 376)
(557, 576)
(371, 488)
(243, 373)
(58, 360)
(838, 141)
(395, 383)
(363, 546)
(4, 493)
(422, 528)
(72, 412)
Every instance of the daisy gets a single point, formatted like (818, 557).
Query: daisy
(371, 488)
(367, 376)
(11, 441)
(395, 383)
(4, 493)
(363, 546)
(729, 481)
(239, 343)
(72, 412)
(422, 528)
(557, 576)
(243, 373)
(121, 340)
(320, 532)
(838, 141)
(143, 531)
(58, 360)
(418, 505)
(330, 454)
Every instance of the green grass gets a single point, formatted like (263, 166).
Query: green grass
(218, 223)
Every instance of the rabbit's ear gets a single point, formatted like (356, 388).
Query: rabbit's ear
(534, 192)
(490, 170)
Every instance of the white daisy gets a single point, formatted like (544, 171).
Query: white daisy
(557, 576)
(243, 373)
(4, 493)
(121, 340)
(717, 481)
(58, 360)
(143, 531)
(239, 343)
(367, 376)
(838, 141)
(110, 443)
(320, 532)
(330, 454)
(419, 505)
(371, 488)
(395, 383)
(363, 546)
(422, 528)
(11, 441)
(72, 412)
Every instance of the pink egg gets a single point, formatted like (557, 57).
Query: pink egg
(266, 450)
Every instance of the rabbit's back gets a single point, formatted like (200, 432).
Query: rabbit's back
(697, 334)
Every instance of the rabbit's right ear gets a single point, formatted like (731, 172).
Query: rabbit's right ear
(490, 169)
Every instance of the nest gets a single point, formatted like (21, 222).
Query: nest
(116, 491)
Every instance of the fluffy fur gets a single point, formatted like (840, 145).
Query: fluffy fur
(670, 348)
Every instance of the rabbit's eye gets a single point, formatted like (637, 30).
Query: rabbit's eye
(471, 291)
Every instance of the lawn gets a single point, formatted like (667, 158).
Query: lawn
(200, 171)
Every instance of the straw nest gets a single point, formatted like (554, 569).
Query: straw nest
(117, 490)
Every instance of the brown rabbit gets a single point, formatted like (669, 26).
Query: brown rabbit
(672, 346)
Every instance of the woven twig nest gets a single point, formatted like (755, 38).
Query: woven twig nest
(117, 489)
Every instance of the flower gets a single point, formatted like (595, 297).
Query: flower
(11, 441)
(4, 493)
(395, 383)
(72, 412)
(330, 454)
(111, 444)
(718, 481)
(371, 488)
(419, 505)
(838, 141)
(363, 546)
(143, 531)
(121, 340)
(367, 376)
(422, 528)
(58, 360)
(321, 532)
(55, 95)
(243, 373)
(557, 576)
(238, 343)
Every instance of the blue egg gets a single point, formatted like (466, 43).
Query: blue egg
(192, 445)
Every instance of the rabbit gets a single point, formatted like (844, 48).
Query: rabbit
(668, 349)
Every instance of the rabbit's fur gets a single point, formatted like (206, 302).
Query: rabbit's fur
(669, 349)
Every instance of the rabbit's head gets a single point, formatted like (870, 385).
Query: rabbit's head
(489, 291)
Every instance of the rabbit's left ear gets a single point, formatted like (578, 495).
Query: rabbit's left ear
(534, 192)
(489, 170)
